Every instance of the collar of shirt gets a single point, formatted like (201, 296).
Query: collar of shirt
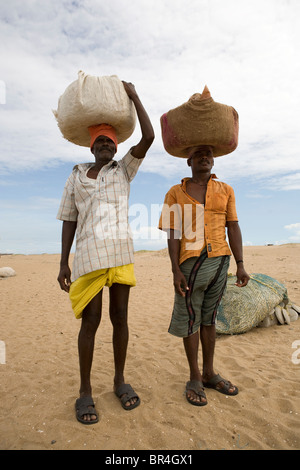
(85, 166)
(184, 180)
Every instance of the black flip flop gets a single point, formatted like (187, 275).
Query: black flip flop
(82, 408)
(197, 387)
(125, 393)
(214, 381)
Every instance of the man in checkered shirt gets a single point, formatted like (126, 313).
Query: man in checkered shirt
(94, 205)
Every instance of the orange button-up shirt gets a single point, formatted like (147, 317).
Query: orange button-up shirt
(199, 225)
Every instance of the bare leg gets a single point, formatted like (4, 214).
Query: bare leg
(191, 345)
(208, 341)
(119, 296)
(86, 339)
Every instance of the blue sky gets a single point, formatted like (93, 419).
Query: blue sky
(246, 52)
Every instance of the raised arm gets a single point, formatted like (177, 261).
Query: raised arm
(140, 150)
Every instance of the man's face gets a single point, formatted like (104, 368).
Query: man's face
(104, 147)
(201, 158)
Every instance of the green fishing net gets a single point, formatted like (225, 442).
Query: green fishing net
(243, 308)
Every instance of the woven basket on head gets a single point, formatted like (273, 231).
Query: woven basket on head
(200, 121)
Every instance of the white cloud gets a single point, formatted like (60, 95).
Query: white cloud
(295, 229)
(246, 52)
(293, 226)
(169, 50)
(33, 203)
(286, 182)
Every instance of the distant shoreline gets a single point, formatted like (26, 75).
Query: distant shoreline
(245, 247)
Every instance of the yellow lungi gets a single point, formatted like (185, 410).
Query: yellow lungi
(84, 289)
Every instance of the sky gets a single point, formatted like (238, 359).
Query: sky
(247, 53)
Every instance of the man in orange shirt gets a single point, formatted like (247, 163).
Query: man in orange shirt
(195, 215)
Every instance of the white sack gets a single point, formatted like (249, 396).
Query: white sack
(93, 100)
(7, 272)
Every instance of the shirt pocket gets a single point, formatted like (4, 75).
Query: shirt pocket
(219, 202)
(112, 188)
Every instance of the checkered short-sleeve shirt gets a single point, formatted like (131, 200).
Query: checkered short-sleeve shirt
(100, 207)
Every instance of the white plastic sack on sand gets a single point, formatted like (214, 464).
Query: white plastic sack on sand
(7, 272)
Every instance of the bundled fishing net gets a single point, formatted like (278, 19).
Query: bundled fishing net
(243, 308)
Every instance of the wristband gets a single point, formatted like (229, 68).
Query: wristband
(239, 261)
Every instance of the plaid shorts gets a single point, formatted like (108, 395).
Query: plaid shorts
(207, 279)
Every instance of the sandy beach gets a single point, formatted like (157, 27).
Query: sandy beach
(39, 381)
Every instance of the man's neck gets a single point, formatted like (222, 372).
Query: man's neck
(94, 170)
(201, 178)
(100, 163)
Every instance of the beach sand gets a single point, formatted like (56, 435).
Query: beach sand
(39, 381)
